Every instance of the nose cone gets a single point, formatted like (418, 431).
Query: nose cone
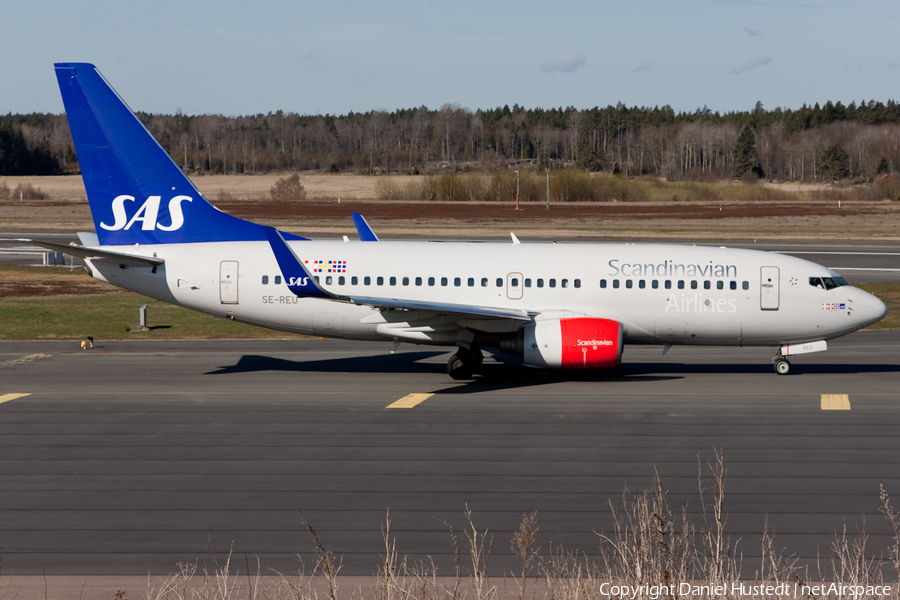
(868, 309)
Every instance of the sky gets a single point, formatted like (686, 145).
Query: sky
(238, 57)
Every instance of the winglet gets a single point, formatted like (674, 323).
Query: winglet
(296, 276)
(515, 240)
(362, 227)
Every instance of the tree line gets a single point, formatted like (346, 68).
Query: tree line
(812, 143)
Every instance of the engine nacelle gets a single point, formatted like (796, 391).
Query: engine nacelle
(573, 344)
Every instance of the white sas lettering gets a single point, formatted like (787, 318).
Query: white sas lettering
(175, 213)
(118, 208)
(147, 214)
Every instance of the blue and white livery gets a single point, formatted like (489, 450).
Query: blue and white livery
(551, 305)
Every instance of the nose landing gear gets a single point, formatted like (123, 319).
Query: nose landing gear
(781, 364)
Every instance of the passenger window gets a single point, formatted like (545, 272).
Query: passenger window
(444, 281)
(629, 283)
(654, 284)
(527, 282)
(316, 277)
(418, 281)
(278, 279)
(540, 283)
(379, 280)
(693, 284)
(354, 280)
(577, 283)
(367, 280)
(393, 281)
(733, 285)
(484, 282)
(706, 285)
(564, 283)
(642, 284)
(514, 282)
(681, 284)
(720, 285)
(602, 283)
(265, 280)
(457, 281)
(341, 280)
(471, 282)
(668, 284)
(499, 282)
(431, 281)
(405, 281)
(745, 285)
(552, 283)
(616, 283)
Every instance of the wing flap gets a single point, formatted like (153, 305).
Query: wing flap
(444, 307)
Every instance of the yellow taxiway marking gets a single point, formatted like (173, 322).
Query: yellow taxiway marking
(8, 397)
(835, 402)
(410, 400)
(25, 359)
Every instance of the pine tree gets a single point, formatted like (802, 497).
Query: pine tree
(835, 163)
(744, 153)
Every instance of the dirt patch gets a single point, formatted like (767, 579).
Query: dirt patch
(32, 282)
(323, 214)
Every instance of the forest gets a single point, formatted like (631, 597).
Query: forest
(810, 144)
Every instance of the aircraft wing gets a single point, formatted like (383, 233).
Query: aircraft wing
(302, 284)
(128, 260)
(444, 307)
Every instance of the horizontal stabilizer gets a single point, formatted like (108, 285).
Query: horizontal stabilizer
(129, 260)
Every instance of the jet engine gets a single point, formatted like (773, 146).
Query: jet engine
(581, 343)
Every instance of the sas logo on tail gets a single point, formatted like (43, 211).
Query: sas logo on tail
(298, 281)
(147, 214)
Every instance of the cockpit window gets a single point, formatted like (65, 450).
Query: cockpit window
(827, 283)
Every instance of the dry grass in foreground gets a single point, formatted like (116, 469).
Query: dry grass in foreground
(652, 552)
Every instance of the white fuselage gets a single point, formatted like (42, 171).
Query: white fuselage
(662, 294)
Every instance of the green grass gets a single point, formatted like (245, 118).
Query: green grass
(110, 317)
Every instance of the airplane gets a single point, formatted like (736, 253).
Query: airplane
(553, 306)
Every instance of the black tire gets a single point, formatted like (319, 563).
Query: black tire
(782, 366)
(457, 368)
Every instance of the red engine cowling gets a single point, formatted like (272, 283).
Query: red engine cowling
(573, 344)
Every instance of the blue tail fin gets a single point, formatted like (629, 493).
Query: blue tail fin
(136, 192)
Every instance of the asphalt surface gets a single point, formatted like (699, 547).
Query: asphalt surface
(133, 456)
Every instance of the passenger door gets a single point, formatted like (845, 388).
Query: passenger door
(769, 294)
(228, 282)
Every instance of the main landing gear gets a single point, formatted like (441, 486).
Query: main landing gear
(781, 364)
(465, 363)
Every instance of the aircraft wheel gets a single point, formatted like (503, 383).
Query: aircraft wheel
(782, 366)
(457, 367)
